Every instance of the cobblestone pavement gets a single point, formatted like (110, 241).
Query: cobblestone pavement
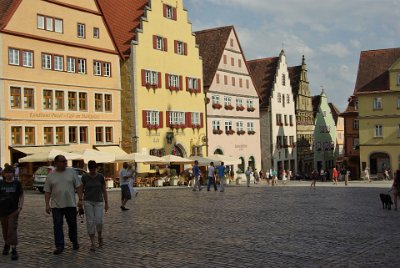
(242, 227)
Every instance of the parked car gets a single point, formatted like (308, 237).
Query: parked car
(40, 176)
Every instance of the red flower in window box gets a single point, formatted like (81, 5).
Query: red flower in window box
(217, 106)
(229, 107)
(240, 108)
(148, 85)
(241, 132)
(182, 126)
(251, 132)
(217, 131)
(230, 132)
(195, 91)
(251, 109)
(196, 126)
(151, 127)
(154, 86)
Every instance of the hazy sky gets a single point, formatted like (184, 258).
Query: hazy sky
(330, 33)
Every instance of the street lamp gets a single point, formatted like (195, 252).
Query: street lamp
(135, 142)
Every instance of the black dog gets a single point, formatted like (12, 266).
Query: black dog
(386, 201)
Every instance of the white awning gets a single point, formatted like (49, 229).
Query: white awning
(115, 150)
(42, 149)
(49, 156)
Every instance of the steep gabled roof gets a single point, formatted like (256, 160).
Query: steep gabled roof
(123, 18)
(263, 72)
(373, 69)
(335, 112)
(295, 76)
(316, 102)
(212, 43)
(7, 9)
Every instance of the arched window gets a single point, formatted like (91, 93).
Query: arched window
(252, 163)
(241, 166)
(218, 151)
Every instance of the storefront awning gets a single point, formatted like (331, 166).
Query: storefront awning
(115, 150)
(43, 149)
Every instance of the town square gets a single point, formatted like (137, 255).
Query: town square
(187, 133)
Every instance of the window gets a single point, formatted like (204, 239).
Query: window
(73, 134)
(96, 32)
(13, 56)
(40, 22)
(177, 118)
(59, 100)
(46, 61)
(225, 79)
(283, 100)
(283, 80)
(278, 119)
(279, 141)
(279, 98)
(240, 63)
(71, 67)
(180, 48)
(97, 68)
(49, 24)
(240, 82)
(225, 59)
(28, 98)
(58, 25)
(250, 104)
(378, 131)
(59, 63)
(108, 102)
(15, 97)
(160, 43)
(81, 66)
(233, 81)
(356, 105)
(72, 101)
(231, 42)
(101, 68)
(109, 134)
(27, 58)
(239, 126)
(106, 69)
(228, 126)
(247, 84)
(170, 12)
(356, 143)
(215, 99)
(48, 99)
(398, 102)
(29, 135)
(60, 135)
(250, 126)
(81, 30)
(291, 140)
(16, 135)
(82, 101)
(174, 81)
(232, 61)
(98, 102)
(152, 118)
(356, 124)
(83, 134)
(193, 83)
(377, 103)
(152, 78)
(285, 118)
(239, 102)
(291, 120)
(288, 98)
(196, 119)
(216, 125)
(217, 78)
(227, 101)
(48, 135)
(340, 135)
(99, 134)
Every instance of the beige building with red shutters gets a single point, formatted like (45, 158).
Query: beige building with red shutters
(60, 78)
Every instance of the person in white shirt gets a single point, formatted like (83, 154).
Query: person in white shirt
(124, 179)
(211, 177)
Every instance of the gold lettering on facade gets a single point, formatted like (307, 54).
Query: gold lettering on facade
(63, 116)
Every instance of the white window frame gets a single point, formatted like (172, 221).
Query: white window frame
(216, 125)
(27, 58)
(227, 100)
(174, 81)
(177, 118)
(160, 43)
(377, 105)
(239, 102)
(180, 48)
(153, 118)
(49, 24)
(13, 56)
(97, 68)
(81, 30)
(196, 119)
(378, 131)
(288, 98)
(250, 104)
(40, 22)
(58, 63)
(228, 126)
(102, 134)
(58, 25)
(239, 125)
(81, 66)
(215, 99)
(71, 64)
(151, 77)
(47, 61)
(193, 83)
(169, 12)
(107, 69)
(96, 32)
(250, 126)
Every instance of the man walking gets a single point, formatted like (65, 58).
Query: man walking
(211, 177)
(124, 179)
(196, 175)
(248, 174)
(60, 189)
(221, 176)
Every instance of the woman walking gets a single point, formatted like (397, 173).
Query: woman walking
(396, 188)
(96, 201)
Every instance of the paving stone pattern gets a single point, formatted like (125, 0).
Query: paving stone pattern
(242, 227)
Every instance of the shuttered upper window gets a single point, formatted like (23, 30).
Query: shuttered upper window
(169, 12)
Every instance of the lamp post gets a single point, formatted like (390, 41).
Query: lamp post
(135, 140)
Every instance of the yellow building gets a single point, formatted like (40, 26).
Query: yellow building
(378, 92)
(163, 104)
(60, 78)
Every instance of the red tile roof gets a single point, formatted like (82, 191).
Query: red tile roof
(7, 9)
(373, 69)
(212, 43)
(263, 72)
(123, 18)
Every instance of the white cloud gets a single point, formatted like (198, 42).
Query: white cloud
(337, 49)
(355, 43)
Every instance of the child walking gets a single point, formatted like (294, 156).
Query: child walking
(11, 201)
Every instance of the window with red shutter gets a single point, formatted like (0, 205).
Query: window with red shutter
(188, 118)
(175, 15)
(168, 119)
(144, 119)
(175, 47)
(199, 85)
(165, 10)
(187, 84)
(161, 120)
(167, 85)
(155, 41)
(165, 44)
(180, 82)
(201, 120)
(159, 80)
(144, 78)
(185, 49)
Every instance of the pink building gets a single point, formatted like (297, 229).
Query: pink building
(233, 118)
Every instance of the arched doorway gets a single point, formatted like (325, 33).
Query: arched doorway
(241, 166)
(218, 151)
(178, 150)
(379, 162)
(252, 163)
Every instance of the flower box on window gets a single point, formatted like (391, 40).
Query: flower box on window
(240, 108)
(196, 126)
(229, 107)
(177, 126)
(174, 88)
(251, 109)
(217, 131)
(217, 106)
(230, 132)
(152, 127)
(193, 91)
(251, 132)
(241, 132)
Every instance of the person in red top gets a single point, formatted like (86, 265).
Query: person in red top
(335, 175)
